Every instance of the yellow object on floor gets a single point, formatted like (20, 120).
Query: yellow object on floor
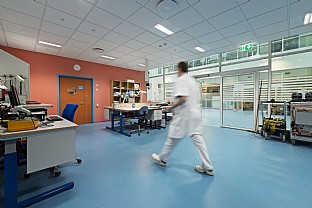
(22, 125)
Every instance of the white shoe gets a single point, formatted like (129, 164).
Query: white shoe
(157, 160)
(200, 169)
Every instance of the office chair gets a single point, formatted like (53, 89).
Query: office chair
(69, 114)
(142, 118)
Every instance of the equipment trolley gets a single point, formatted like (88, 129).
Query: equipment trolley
(301, 122)
(274, 127)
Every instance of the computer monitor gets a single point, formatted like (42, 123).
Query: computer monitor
(13, 96)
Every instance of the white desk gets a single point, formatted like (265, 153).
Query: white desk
(46, 147)
(123, 111)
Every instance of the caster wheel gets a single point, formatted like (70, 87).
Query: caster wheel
(139, 134)
(57, 174)
(79, 160)
(27, 175)
(130, 132)
(147, 132)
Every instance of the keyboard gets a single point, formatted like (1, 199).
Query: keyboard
(54, 118)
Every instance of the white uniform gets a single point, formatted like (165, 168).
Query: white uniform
(187, 117)
(186, 121)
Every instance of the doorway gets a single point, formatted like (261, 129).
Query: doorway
(77, 90)
(210, 100)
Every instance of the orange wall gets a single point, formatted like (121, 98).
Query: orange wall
(44, 71)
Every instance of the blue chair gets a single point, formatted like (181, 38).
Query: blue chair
(69, 112)
(141, 116)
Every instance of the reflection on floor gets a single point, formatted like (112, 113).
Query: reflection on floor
(117, 172)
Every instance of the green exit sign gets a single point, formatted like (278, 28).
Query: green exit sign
(246, 47)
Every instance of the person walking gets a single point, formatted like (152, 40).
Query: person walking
(186, 121)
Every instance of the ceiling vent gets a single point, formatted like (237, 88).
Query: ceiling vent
(167, 6)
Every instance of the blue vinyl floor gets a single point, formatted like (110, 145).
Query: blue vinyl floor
(117, 171)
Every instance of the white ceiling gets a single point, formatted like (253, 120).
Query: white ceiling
(125, 28)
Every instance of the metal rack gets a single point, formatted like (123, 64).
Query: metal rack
(301, 122)
(273, 127)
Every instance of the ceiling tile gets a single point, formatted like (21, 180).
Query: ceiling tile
(227, 18)
(274, 28)
(48, 37)
(189, 16)
(20, 37)
(175, 49)
(78, 44)
(11, 27)
(235, 29)
(102, 61)
(56, 29)
(255, 8)
(92, 29)
(19, 18)
(161, 54)
(212, 8)
(84, 37)
(105, 44)
(147, 37)
(242, 38)
(139, 53)
(301, 30)
(162, 44)
(128, 29)
(61, 18)
(46, 49)
(226, 49)
(179, 37)
(129, 58)
(88, 56)
(144, 18)
(115, 54)
(29, 7)
(149, 49)
(127, 7)
(185, 53)
(135, 44)
(124, 49)
(300, 8)
(211, 37)
(269, 18)
(200, 29)
(21, 45)
(72, 6)
(103, 18)
(2, 41)
(116, 38)
(69, 51)
(219, 44)
(190, 45)
(274, 36)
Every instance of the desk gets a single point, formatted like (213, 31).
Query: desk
(123, 111)
(46, 147)
(37, 106)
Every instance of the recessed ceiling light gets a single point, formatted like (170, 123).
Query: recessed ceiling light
(143, 65)
(200, 49)
(98, 50)
(50, 44)
(307, 19)
(108, 57)
(163, 29)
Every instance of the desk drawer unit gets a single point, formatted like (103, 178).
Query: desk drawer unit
(154, 115)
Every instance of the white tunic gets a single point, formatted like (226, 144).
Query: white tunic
(187, 117)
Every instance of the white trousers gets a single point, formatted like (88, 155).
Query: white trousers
(200, 144)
